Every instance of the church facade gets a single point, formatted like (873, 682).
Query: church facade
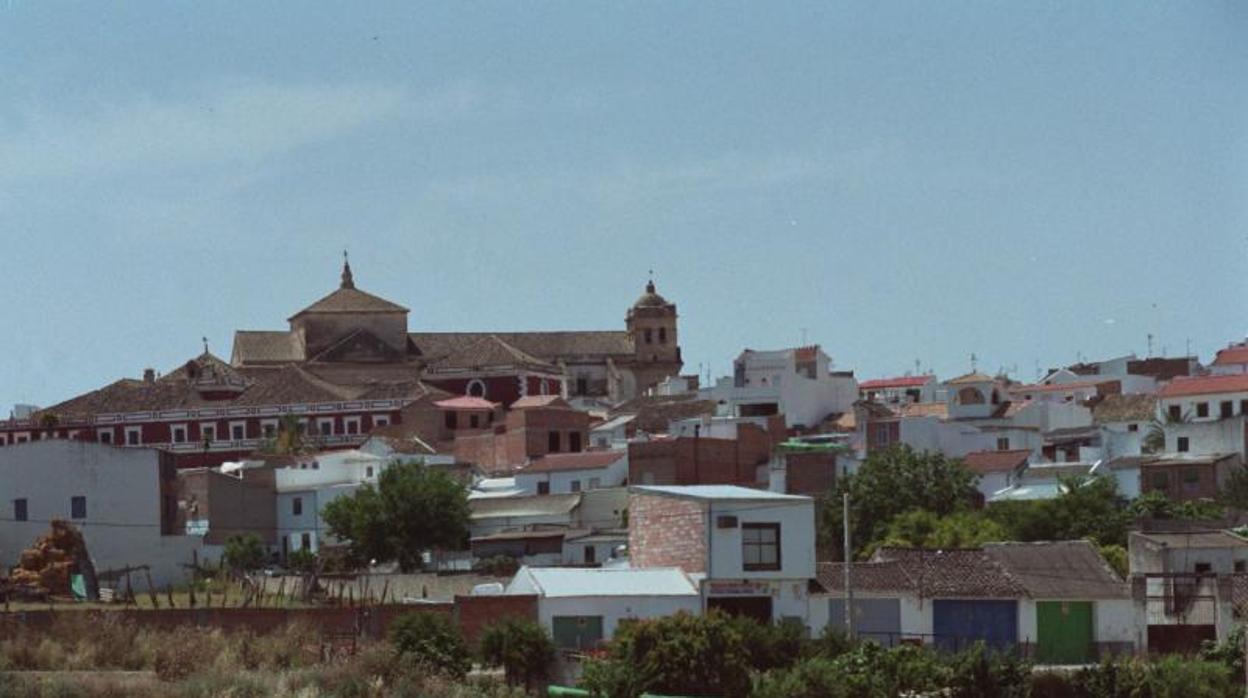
(347, 364)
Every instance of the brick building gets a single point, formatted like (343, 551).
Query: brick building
(693, 460)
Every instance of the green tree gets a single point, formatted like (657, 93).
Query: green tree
(923, 529)
(290, 438)
(243, 553)
(1234, 492)
(431, 639)
(521, 647)
(681, 654)
(302, 560)
(1086, 508)
(412, 509)
(892, 482)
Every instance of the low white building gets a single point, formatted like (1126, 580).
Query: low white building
(752, 550)
(563, 473)
(306, 486)
(1205, 414)
(613, 433)
(901, 390)
(581, 608)
(113, 495)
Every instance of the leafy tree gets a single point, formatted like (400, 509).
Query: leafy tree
(412, 509)
(302, 560)
(1087, 508)
(243, 553)
(892, 482)
(521, 647)
(923, 529)
(1234, 492)
(681, 654)
(1156, 505)
(432, 640)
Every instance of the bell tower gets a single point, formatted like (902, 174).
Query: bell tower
(651, 323)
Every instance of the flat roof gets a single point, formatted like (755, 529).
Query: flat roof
(1194, 539)
(555, 582)
(718, 492)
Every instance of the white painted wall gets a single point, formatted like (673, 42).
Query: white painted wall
(916, 614)
(1207, 437)
(122, 490)
(613, 475)
(613, 609)
(312, 518)
(1187, 405)
(797, 539)
(772, 377)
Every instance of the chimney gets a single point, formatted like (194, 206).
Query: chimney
(149, 375)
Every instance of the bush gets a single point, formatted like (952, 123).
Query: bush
(1169, 677)
(680, 654)
(243, 553)
(981, 673)
(303, 561)
(771, 646)
(521, 647)
(868, 671)
(432, 640)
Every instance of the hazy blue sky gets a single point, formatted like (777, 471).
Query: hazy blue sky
(903, 180)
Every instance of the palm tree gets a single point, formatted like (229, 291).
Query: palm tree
(1155, 439)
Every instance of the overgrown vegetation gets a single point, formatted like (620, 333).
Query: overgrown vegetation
(193, 662)
(432, 640)
(521, 647)
(243, 553)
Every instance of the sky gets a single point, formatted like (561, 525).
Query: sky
(899, 182)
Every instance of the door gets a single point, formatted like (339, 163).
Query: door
(756, 607)
(590, 557)
(576, 632)
(958, 624)
(1064, 630)
(878, 620)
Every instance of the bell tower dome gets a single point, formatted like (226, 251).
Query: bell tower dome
(651, 323)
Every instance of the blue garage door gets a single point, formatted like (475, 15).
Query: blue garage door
(878, 620)
(959, 624)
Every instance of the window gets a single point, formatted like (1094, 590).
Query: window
(1243, 407)
(582, 385)
(1203, 568)
(268, 428)
(368, 472)
(1202, 409)
(352, 425)
(178, 432)
(662, 335)
(207, 432)
(380, 420)
(296, 506)
(1239, 566)
(543, 488)
(574, 441)
(649, 336)
(474, 421)
(576, 486)
(552, 442)
(305, 541)
(325, 426)
(1176, 413)
(1182, 445)
(1161, 481)
(105, 436)
(595, 483)
(760, 546)
(1133, 427)
(78, 507)
(1003, 443)
(881, 434)
(450, 420)
(134, 436)
(19, 509)
(238, 431)
(1227, 409)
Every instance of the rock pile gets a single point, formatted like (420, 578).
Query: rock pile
(46, 566)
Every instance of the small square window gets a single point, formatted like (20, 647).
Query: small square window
(380, 420)
(208, 432)
(1202, 409)
(543, 488)
(368, 472)
(238, 432)
(179, 434)
(1226, 409)
(552, 442)
(106, 437)
(305, 541)
(576, 485)
(296, 506)
(134, 436)
(1003, 443)
(1176, 413)
(1182, 444)
(1133, 427)
(760, 546)
(78, 507)
(19, 509)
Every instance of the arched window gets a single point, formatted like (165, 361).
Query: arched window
(970, 396)
(662, 335)
(476, 388)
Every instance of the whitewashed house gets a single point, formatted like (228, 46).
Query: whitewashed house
(563, 473)
(1205, 414)
(753, 551)
(121, 499)
(798, 383)
(581, 608)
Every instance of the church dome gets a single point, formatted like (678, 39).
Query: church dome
(651, 299)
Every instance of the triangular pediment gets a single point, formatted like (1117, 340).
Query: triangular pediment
(360, 346)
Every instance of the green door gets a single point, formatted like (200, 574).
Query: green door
(1065, 630)
(576, 632)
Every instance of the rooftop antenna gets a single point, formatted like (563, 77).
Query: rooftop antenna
(1150, 346)
(205, 341)
(974, 361)
(1038, 374)
(918, 367)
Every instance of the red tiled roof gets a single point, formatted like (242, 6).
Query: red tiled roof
(1205, 385)
(984, 462)
(1231, 356)
(538, 401)
(589, 460)
(899, 382)
(466, 402)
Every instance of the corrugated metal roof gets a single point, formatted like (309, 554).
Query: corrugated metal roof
(719, 492)
(556, 582)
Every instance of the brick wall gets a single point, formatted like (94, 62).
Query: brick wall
(524, 435)
(666, 532)
(810, 473)
(694, 461)
(475, 613)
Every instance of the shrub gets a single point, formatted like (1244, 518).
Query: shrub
(302, 560)
(521, 647)
(980, 673)
(771, 646)
(243, 553)
(432, 640)
(868, 671)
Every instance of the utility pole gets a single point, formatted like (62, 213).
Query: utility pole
(849, 563)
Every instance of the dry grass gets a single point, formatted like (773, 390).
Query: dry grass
(105, 657)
